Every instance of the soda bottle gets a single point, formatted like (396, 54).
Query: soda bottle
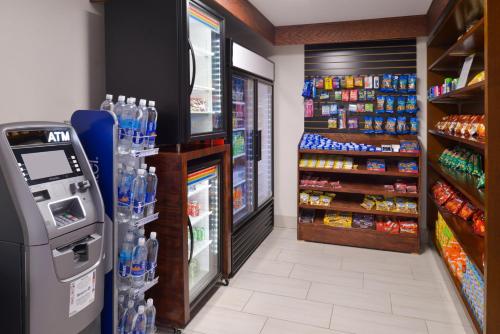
(138, 267)
(139, 194)
(124, 210)
(125, 259)
(141, 127)
(150, 317)
(151, 184)
(152, 120)
(152, 247)
(139, 323)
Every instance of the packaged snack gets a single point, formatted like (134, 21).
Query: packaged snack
(407, 166)
(389, 104)
(378, 125)
(401, 127)
(380, 104)
(401, 104)
(412, 83)
(400, 187)
(363, 221)
(320, 84)
(345, 95)
(330, 161)
(375, 165)
(403, 83)
(336, 83)
(324, 96)
(328, 83)
(376, 82)
(321, 162)
(338, 219)
(387, 225)
(389, 187)
(359, 81)
(368, 124)
(342, 119)
(368, 107)
(467, 211)
(304, 198)
(401, 205)
(308, 108)
(442, 192)
(343, 82)
(395, 82)
(386, 86)
(334, 109)
(408, 227)
(353, 95)
(411, 104)
(390, 125)
(368, 203)
(312, 162)
(382, 204)
(325, 110)
(454, 204)
(347, 163)
(353, 123)
(370, 95)
(332, 123)
(307, 90)
(349, 82)
(413, 126)
(325, 200)
(360, 107)
(339, 163)
(411, 206)
(411, 188)
(479, 223)
(410, 146)
(338, 95)
(368, 82)
(361, 95)
(306, 216)
(314, 199)
(352, 107)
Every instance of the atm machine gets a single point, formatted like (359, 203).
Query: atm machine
(51, 232)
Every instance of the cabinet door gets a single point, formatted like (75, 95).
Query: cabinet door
(265, 142)
(205, 38)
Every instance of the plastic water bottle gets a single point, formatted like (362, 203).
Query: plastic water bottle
(119, 106)
(124, 210)
(139, 325)
(121, 311)
(140, 300)
(107, 104)
(138, 268)
(139, 194)
(125, 259)
(152, 120)
(139, 142)
(151, 184)
(139, 233)
(127, 320)
(150, 317)
(152, 247)
(128, 124)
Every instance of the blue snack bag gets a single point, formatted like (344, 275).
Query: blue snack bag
(334, 109)
(403, 83)
(389, 104)
(390, 125)
(368, 125)
(395, 82)
(386, 86)
(411, 104)
(413, 126)
(412, 83)
(378, 125)
(401, 105)
(380, 104)
(401, 127)
(307, 90)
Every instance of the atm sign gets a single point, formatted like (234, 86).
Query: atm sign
(58, 136)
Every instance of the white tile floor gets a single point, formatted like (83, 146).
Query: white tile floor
(296, 287)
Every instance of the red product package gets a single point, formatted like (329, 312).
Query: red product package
(467, 211)
(387, 225)
(454, 204)
(411, 188)
(353, 96)
(479, 223)
(400, 187)
(408, 227)
(345, 95)
(442, 192)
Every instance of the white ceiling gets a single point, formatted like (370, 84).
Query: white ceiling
(291, 12)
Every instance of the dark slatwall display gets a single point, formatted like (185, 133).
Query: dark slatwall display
(359, 60)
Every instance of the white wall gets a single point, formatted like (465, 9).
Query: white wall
(288, 126)
(51, 59)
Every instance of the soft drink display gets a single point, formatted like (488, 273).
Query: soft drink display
(152, 121)
(150, 317)
(139, 323)
(107, 104)
(138, 267)
(126, 259)
(139, 194)
(140, 139)
(152, 247)
(151, 184)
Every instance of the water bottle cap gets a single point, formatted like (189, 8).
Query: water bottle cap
(129, 237)
(130, 168)
(141, 172)
(152, 169)
(152, 235)
(109, 97)
(150, 302)
(142, 102)
(121, 98)
(141, 241)
(121, 298)
(130, 303)
(133, 99)
(141, 309)
(151, 103)
(144, 166)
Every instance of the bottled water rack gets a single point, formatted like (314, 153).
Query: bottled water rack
(145, 220)
(148, 285)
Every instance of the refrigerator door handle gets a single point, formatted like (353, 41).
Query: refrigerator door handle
(259, 145)
(192, 240)
(193, 61)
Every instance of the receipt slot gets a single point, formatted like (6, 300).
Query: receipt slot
(51, 232)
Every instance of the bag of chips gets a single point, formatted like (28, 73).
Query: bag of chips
(370, 95)
(411, 104)
(349, 82)
(368, 107)
(345, 95)
(353, 96)
(319, 83)
(401, 104)
(336, 83)
(328, 83)
(361, 95)
(353, 123)
(401, 128)
(467, 211)
(308, 108)
(360, 107)
(413, 125)
(390, 126)
(386, 86)
(378, 125)
(454, 204)
(403, 84)
(412, 83)
(368, 82)
(334, 109)
(380, 104)
(395, 82)
(368, 125)
(358, 81)
(389, 104)
(343, 82)
(332, 123)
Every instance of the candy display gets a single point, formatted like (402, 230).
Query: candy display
(318, 182)
(375, 165)
(390, 204)
(363, 221)
(338, 219)
(452, 252)
(334, 161)
(408, 166)
(387, 225)
(317, 198)
(463, 160)
(408, 227)
(465, 126)
(473, 289)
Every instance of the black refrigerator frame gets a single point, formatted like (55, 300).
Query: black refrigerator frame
(148, 55)
(252, 230)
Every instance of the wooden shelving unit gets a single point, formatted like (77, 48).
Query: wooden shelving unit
(354, 183)
(464, 29)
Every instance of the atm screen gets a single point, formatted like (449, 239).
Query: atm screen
(41, 165)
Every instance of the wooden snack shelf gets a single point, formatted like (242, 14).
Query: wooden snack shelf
(369, 183)
(470, 94)
(474, 143)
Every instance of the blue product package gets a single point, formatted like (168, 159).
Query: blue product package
(307, 90)
(386, 86)
(389, 104)
(395, 82)
(380, 104)
(401, 104)
(401, 127)
(411, 104)
(412, 83)
(403, 84)
(378, 125)
(390, 125)
(413, 126)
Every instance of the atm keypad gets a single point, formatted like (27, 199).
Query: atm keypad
(65, 219)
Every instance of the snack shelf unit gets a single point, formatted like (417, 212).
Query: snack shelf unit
(468, 27)
(354, 183)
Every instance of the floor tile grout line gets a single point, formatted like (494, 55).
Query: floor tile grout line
(331, 316)
(291, 271)
(264, 325)
(427, 326)
(291, 321)
(248, 300)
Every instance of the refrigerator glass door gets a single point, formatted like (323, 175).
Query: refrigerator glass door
(243, 147)
(206, 70)
(265, 142)
(205, 221)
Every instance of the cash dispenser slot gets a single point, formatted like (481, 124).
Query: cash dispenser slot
(66, 212)
(72, 258)
(40, 196)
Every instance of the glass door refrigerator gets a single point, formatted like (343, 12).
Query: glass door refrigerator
(174, 52)
(251, 82)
